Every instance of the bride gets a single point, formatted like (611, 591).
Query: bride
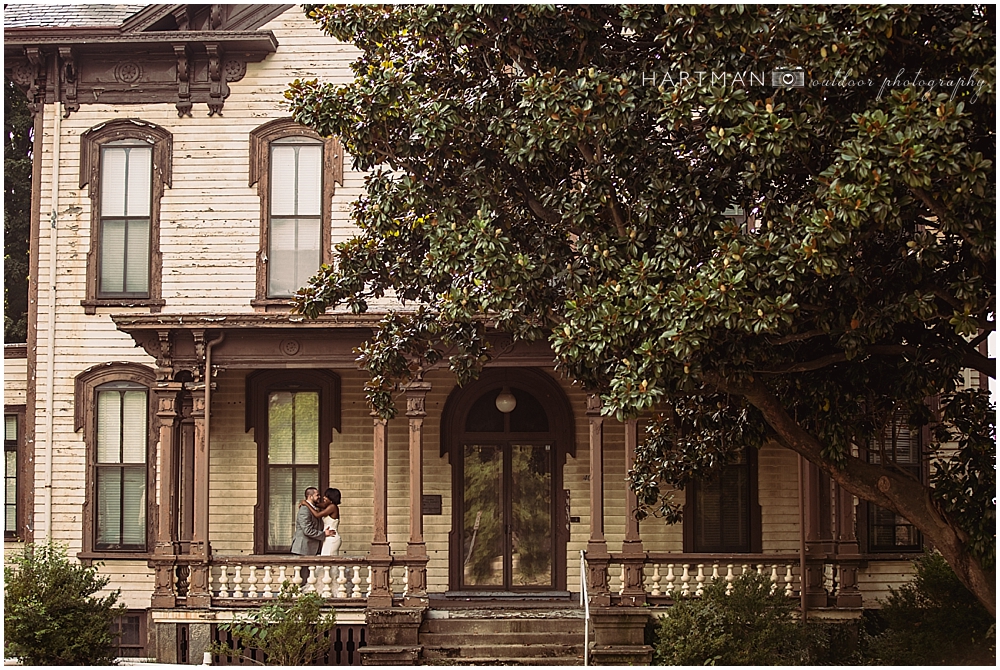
(330, 513)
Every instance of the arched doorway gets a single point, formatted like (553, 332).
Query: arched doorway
(509, 510)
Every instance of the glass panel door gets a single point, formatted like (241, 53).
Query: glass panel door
(531, 515)
(483, 527)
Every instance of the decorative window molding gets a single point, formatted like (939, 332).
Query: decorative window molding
(262, 140)
(126, 134)
(723, 515)
(15, 505)
(311, 397)
(112, 378)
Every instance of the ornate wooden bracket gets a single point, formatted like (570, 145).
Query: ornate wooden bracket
(30, 76)
(218, 91)
(68, 76)
(183, 80)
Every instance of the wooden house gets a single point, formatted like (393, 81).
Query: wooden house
(168, 410)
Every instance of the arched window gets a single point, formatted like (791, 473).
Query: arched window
(126, 163)
(114, 411)
(295, 171)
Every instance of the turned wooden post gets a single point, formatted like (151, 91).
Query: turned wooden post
(597, 546)
(380, 555)
(416, 549)
(634, 592)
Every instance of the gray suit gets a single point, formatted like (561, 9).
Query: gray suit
(309, 533)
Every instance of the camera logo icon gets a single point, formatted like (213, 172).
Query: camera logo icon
(788, 78)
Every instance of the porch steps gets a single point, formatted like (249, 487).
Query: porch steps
(504, 636)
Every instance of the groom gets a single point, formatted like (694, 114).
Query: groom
(309, 533)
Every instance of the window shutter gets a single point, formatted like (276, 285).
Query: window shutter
(310, 180)
(283, 181)
(112, 256)
(113, 182)
(281, 508)
(307, 428)
(134, 506)
(109, 511)
(134, 429)
(109, 446)
(137, 263)
(140, 180)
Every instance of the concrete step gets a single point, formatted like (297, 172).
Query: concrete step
(533, 637)
(469, 626)
(503, 650)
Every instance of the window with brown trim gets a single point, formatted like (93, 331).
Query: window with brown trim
(13, 445)
(293, 414)
(295, 171)
(115, 412)
(721, 513)
(130, 634)
(883, 530)
(126, 163)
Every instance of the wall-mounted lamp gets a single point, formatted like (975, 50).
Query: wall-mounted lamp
(506, 402)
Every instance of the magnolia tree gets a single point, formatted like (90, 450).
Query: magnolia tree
(753, 223)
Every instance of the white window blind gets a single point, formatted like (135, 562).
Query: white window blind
(126, 202)
(294, 253)
(122, 434)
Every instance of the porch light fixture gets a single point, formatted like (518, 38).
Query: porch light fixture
(506, 402)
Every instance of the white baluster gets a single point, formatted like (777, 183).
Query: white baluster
(789, 591)
(252, 582)
(223, 582)
(391, 581)
(730, 578)
(715, 572)
(745, 569)
(327, 583)
(670, 580)
(656, 580)
(268, 580)
(282, 578)
(356, 582)
(297, 577)
(368, 580)
(311, 580)
(621, 578)
(685, 582)
(774, 579)
(238, 582)
(341, 581)
(700, 579)
(760, 568)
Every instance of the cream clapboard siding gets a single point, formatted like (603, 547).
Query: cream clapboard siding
(209, 237)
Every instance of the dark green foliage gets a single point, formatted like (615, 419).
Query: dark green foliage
(17, 134)
(292, 630)
(933, 620)
(51, 615)
(535, 171)
(749, 626)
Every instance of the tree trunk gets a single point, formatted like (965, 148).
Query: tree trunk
(889, 489)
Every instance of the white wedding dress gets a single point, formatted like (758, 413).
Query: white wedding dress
(331, 545)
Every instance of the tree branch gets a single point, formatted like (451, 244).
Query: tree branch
(799, 337)
(943, 216)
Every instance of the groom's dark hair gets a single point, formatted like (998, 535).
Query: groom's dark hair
(311, 488)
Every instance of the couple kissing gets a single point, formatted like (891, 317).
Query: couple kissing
(317, 523)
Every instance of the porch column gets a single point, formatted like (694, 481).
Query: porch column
(167, 400)
(634, 592)
(848, 556)
(380, 556)
(597, 546)
(416, 549)
(819, 534)
(198, 591)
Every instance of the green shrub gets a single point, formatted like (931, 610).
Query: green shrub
(749, 626)
(933, 620)
(51, 616)
(291, 630)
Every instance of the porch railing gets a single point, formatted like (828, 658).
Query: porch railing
(238, 580)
